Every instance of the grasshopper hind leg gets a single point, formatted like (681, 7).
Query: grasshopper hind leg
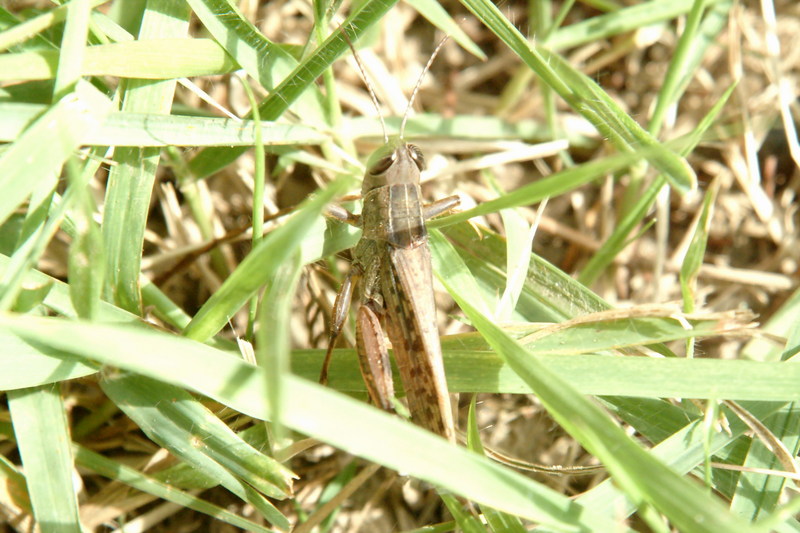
(373, 357)
(340, 307)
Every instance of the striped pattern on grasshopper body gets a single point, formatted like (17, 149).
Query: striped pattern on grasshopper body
(392, 267)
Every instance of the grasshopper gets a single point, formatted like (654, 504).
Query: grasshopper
(392, 268)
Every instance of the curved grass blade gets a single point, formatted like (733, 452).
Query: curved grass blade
(259, 266)
(166, 491)
(586, 97)
(303, 76)
(176, 420)
(645, 480)
(315, 411)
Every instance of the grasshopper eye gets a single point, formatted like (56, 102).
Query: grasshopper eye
(382, 165)
(416, 156)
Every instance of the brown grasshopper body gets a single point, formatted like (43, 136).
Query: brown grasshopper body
(392, 267)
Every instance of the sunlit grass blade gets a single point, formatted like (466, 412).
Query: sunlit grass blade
(87, 259)
(166, 491)
(42, 435)
(152, 129)
(585, 97)
(471, 367)
(644, 479)
(619, 21)
(302, 77)
(273, 335)
(37, 369)
(130, 180)
(435, 126)
(60, 129)
(154, 59)
(176, 420)
(314, 411)
(73, 46)
(551, 186)
(259, 266)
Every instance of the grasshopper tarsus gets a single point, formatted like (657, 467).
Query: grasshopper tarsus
(326, 363)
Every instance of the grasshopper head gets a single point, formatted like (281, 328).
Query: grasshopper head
(393, 163)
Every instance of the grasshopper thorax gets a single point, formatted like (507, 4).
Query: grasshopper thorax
(396, 162)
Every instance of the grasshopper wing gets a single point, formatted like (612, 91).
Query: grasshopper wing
(411, 324)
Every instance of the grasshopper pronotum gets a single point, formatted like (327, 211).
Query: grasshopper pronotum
(392, 268)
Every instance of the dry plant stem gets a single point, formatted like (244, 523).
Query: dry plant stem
(326, 509)
(770, 441)
(192, 255)
(527, 466)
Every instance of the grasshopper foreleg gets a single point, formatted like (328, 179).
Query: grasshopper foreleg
(340, 213)
(440, 206)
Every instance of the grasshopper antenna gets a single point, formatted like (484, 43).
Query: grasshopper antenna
(419, 84)
(368, 84)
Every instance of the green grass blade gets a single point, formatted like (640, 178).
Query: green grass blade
(86, 261)
(261, 59)
(616, 242)
(549, 295)
(153, 129)
(669, 93)
(273, 335)
(130, 181)
(473, 368)
(315, 411)
(439, 17)
(690, 267)
(585, 97)
(166, 491)
(40, 367)
(58, 300)
(176, 420)
(73, 45)
(258, 267)
(60, 129)
(303, 76)
(644, 479)
(685, 448)
(152, 59)
(551, 186)
(42, 434)
(616, 22)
